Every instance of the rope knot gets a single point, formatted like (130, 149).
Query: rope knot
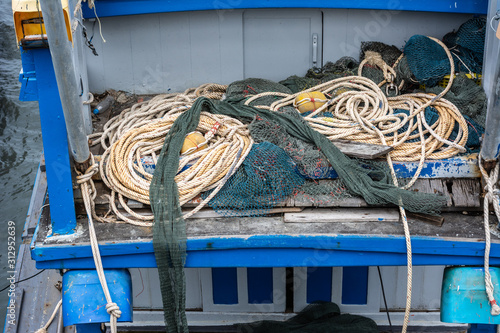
(89, 173)
(374, 59)
(113, 310)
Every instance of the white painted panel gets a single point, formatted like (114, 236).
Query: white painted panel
(95, 64)
(278, 43)
(345, 29)
(166, 52)
(146, 54)
(117, 53)
(426, 289)
(146, 288)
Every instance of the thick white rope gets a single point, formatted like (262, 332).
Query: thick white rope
(44, 328)
(84, 180)
(491, 197)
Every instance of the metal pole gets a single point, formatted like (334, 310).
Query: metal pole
(62, 58)
(491, 84)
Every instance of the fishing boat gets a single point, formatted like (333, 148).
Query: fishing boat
(122, 86)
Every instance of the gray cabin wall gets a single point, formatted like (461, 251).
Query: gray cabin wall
(169, 52)
(345, 29)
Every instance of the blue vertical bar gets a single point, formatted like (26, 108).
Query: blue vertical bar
(225, 285)
(55, 145)
(319, 284)
(88, 328)
(482, 328)
(354, 285)
(260, 285)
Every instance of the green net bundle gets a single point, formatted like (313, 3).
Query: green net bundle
(265, 180)
(317, 317)
(467, 45)
(243, 89)
(345, 66)
(427, 60)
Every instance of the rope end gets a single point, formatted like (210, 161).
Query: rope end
(495, 309)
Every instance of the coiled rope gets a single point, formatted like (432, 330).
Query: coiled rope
(137, 133)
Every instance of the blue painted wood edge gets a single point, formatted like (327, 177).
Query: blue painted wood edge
(106, 8)
(272, 258)
(339, 243)
(464, 166)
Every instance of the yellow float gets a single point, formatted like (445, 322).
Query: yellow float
(309, 101)
(194, 141)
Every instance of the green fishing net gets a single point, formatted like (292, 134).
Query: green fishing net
(265, 180)
(468, 97)
(345, 66)
(467, 45)
(243, 89)
(316, 317)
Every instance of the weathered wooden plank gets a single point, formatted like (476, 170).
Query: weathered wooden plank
(362, 150)
(429, 219)
(433, 186)
(466, 193)
(210, 213)
(344, 215)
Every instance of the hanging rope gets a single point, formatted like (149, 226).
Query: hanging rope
(89, 194)
(44, 328)
(490, 197)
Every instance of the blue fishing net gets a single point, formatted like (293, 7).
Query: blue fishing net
(471, 35)
(427, 60)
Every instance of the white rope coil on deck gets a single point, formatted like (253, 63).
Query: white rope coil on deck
(122, 170)
(138, 133)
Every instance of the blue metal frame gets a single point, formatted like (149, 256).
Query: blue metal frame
(55, 143)
(277, 251)
(106, 8)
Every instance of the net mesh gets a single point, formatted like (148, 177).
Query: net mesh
(389, 53)
(356, 178)
(243, 89)
(470, 99)
(265, 180)
(427, 60)
(345, 66)
(310, 161)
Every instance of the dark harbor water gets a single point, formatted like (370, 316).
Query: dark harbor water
(20, 145)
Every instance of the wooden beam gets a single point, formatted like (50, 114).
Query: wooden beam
(362, 150)
(321, 215)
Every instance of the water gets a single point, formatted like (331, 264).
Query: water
(20, 147)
